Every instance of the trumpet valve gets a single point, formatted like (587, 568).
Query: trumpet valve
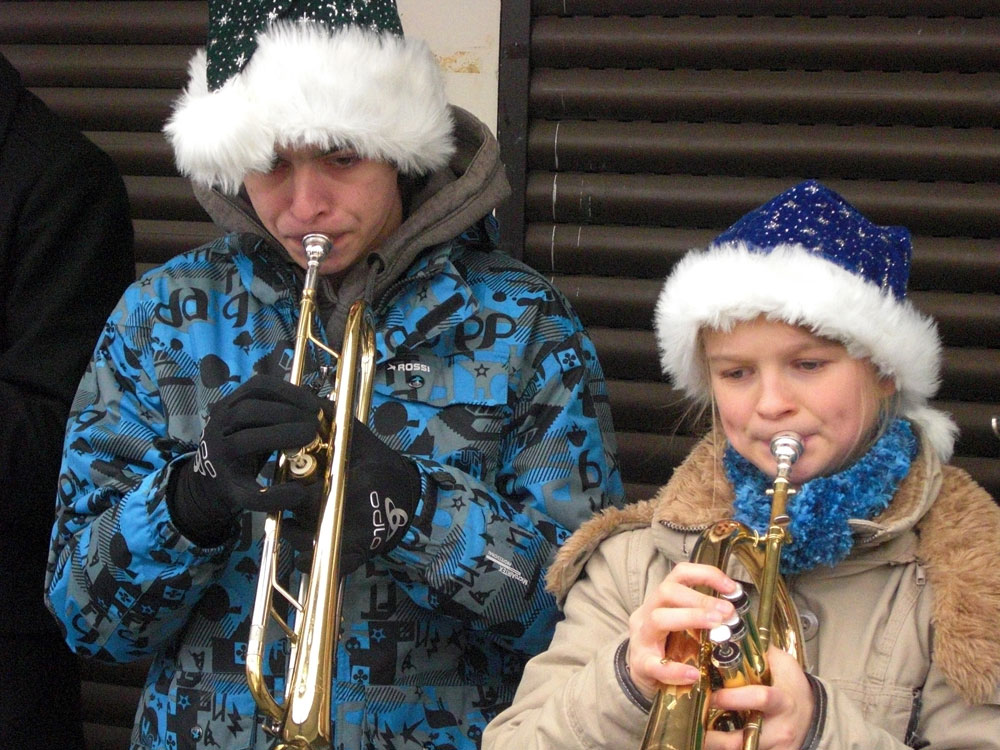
(301, 465)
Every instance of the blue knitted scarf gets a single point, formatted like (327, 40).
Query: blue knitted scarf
(821, 508)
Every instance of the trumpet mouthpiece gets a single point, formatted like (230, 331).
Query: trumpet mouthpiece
(317, 246)
(786, 447)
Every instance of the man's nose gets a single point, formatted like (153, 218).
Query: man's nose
(309, 198)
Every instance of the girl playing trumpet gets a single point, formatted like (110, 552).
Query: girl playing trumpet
(794, 319)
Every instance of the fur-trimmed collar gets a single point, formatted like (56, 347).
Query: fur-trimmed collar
(956, 521)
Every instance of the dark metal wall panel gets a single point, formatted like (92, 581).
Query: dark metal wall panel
(102, 65)
(652, 126)
(104, 22)
(793, 96)
(766, 42)
(764, 8)
(113, 69)
(965, 209)
(902, 152)
(959, 264)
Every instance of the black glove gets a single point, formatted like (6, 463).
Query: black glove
(264, 415)
(383, 489)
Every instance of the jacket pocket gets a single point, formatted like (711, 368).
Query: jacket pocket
(891, 707)
(452, 411)
(478, 378)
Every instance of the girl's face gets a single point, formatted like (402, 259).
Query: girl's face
(768, 376)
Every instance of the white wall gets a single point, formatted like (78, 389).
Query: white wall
(464, 36)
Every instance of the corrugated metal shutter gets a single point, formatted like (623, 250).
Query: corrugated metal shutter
(654, 125)
(113, 69)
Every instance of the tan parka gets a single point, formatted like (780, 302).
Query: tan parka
(902, 635)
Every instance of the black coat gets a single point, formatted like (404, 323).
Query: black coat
(65, 258)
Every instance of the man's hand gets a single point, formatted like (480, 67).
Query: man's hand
(263, 415)
(383, 488)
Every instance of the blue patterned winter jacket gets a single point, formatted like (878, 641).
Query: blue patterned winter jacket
(485, 379)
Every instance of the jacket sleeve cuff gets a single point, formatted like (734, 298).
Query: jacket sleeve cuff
(625, 679)
(811, 742)
(426, 506)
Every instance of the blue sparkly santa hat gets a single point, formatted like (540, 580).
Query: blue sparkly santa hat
(308, 73)
(808, 257)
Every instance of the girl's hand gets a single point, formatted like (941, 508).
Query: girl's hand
(786, 705)
(671, 606)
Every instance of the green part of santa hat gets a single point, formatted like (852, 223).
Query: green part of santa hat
(305, 73)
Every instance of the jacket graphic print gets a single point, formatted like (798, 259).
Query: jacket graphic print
(485, 379)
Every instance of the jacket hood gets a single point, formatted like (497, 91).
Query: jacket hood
(446, 203)
(955, 523)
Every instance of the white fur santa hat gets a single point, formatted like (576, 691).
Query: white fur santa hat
(326, 74)
(807, 257)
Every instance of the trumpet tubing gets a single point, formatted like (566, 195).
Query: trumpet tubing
(734, 655)
(302, 719)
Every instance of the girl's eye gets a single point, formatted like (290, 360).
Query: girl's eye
(733, 373)
(810, 365)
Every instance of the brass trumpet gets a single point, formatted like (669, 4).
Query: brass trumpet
(302, 720)
(680, 715)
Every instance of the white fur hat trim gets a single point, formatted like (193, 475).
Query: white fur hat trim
(730, 283)
(381, 95)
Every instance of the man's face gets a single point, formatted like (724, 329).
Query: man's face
(354, 201)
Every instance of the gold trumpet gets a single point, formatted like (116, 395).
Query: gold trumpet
(680, 715)
(302, 720)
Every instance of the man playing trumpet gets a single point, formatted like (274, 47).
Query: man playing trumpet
(489, 437)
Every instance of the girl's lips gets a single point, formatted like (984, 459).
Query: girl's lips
(804, 437)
